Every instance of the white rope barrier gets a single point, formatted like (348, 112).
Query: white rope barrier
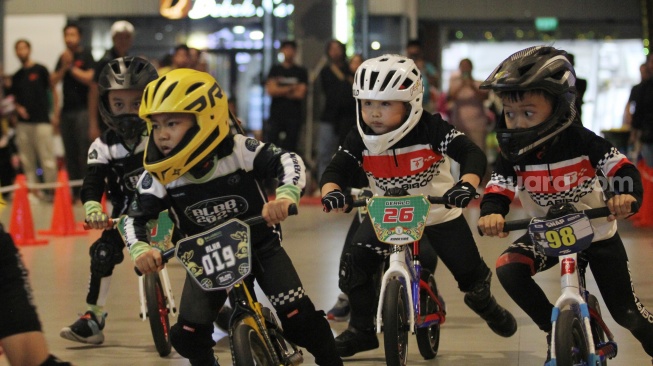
(13, 187)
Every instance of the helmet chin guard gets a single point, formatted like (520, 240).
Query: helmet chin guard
(388, 78)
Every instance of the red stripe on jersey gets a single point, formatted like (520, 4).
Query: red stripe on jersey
(618, 166)
(557, 177)
(402, 164)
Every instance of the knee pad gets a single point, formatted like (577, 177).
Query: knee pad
(192, 341)
(351, 275)
(104, 256)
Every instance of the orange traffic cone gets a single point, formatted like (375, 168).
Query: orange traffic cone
(21, 226)
(644, 218)
(63, 219)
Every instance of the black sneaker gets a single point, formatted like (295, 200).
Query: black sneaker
(87, 329)
(353, 341)
(500, 320)
(213, 361)
(548, 349)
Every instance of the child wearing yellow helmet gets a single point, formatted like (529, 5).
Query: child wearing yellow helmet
(205, 175)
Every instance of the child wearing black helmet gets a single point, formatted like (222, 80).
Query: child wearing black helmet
(398, 146)
(205, 175)
(115, 161)
(550, 158)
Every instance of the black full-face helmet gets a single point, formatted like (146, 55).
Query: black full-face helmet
(124, 73)
(538, 68)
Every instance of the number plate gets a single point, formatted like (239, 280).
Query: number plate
(565, 235)
(160, 231)
(398, 220)
(219, 257)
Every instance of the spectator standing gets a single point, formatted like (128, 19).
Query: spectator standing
(430, 76)
(642, 121)
(30, 87)
(466, 104)
(336, 79)
(286, 84)
(180, 58)
(581, 87)
(75, 69)
(197, 60)
(122, 36)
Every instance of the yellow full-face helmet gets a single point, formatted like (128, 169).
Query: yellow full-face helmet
(185, 91)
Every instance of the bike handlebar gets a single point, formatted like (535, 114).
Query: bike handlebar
(254, 220)
(433, 199)
(592, 213)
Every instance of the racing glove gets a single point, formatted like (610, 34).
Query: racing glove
(336, 199)
(95, 217)
(460, 195)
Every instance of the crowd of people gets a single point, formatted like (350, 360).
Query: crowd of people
(162, 140)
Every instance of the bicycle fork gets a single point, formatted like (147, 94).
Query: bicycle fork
(398, 268)
(571, 296)
(172, 307)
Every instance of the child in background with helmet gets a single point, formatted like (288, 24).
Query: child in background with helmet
(115, 161)
(205, 175)
(550, 158)
(400, 147)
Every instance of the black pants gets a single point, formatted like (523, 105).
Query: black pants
(17, 311)
(609, 264)
(452, 241)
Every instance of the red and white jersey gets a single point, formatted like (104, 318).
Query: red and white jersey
(419, 163)
(567, 173)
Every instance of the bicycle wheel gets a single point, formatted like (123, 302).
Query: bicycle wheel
(570, 342)
(597, 331)
(157, 313)
(428, 338)
(249, 348)
(395, 323)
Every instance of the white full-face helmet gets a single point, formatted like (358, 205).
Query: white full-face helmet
(390, 78)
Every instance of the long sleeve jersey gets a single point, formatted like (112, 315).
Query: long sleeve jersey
(566, 173)
(111, 164)
(420, 163)
(227, 187)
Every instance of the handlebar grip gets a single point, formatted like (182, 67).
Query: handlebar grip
(359, 203)
(437, 200)
(166, 256)
(111, 222)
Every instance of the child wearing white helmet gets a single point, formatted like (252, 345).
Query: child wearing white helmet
(400, 147)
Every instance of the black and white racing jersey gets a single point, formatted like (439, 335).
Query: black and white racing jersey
(566, 173)
(229, 187)
(420, 163)
(114, 166)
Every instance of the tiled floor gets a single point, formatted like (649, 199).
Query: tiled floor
(59, 275)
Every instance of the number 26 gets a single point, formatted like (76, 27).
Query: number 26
(393, 214)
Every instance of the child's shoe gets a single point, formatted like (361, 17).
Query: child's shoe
(353, 341)
(340, 311)
(87, 329)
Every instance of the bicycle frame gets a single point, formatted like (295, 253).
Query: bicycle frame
(406, 265)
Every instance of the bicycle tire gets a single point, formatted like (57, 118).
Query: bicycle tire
(597, 332)
(428, 338)
(157, 313)
(570, 343)
(249, 348)
(395, 323)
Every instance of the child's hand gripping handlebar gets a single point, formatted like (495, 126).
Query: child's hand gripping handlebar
(255, 220)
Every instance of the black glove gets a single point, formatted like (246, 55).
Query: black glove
(460, 195)
(336, 199)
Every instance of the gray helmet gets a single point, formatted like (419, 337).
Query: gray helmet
(124, 73)
(535, 68)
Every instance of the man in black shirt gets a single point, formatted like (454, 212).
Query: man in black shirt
(286, 85)
(75, 68)
(30, 86)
